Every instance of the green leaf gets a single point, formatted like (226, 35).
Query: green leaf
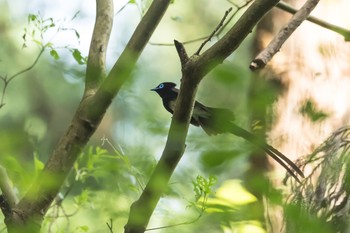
(82, 229)
(54, 54)
(202, 186)
(78, 57)
(37, 42)
(82, 198)
(32, 17)
(38, 164)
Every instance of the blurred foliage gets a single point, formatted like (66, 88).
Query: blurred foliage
(321, 202)
(308, 109)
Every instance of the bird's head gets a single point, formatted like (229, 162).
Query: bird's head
(165, 88)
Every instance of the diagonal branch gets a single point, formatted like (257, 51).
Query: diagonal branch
(31, 209)
(234, 37)
(127, 60)
(192, 73)
(266, 55)
(214, 32)
(6, 80)
(340, 30)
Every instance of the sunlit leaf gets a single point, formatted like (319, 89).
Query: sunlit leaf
(78, 57)
(32, 17)
(38, 164)
(54, 54)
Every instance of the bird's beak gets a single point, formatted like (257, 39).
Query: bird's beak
(154, 89)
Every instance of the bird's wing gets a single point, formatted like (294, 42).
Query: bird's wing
(199, 112)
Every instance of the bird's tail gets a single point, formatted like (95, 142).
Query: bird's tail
(280, 158)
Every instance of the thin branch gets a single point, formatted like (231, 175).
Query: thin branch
(122, 8)
(233, 38)
(177, 224)
(214, 32)
(340, 30)
(127, 60)
(238, 8)
(110, 225)
(6, 188)
(274, 46)
(96, 65)
(217, 34)
(200, 214)
(29, 67)
(7, 80)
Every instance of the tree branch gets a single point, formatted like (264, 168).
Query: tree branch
(340, 30)
(31, 209)
(192, 72)
(214, 32)
(6, 80)
(95, 70)
(127, 60)
(181, 51)
(266, 55)
(234, 37)
(142, 209)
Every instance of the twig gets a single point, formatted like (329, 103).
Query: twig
(217, 34)
(340, 30)
(185, 42)
(177, 224)
(122, 8)
(29, 67)
(214, 32)
(266, 55)
(6, 80)
(120, 154)
(201, 212)
(246, 3)
(110, 225)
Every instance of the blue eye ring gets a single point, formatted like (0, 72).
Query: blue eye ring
(161, 85)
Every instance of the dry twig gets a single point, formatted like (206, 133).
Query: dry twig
(266, 55)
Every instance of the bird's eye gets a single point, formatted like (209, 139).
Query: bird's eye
(161, 85)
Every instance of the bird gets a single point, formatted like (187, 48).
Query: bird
(218, 121)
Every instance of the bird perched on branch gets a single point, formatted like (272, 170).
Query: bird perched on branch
(218, 120)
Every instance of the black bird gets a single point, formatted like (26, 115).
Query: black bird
(218, 120)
